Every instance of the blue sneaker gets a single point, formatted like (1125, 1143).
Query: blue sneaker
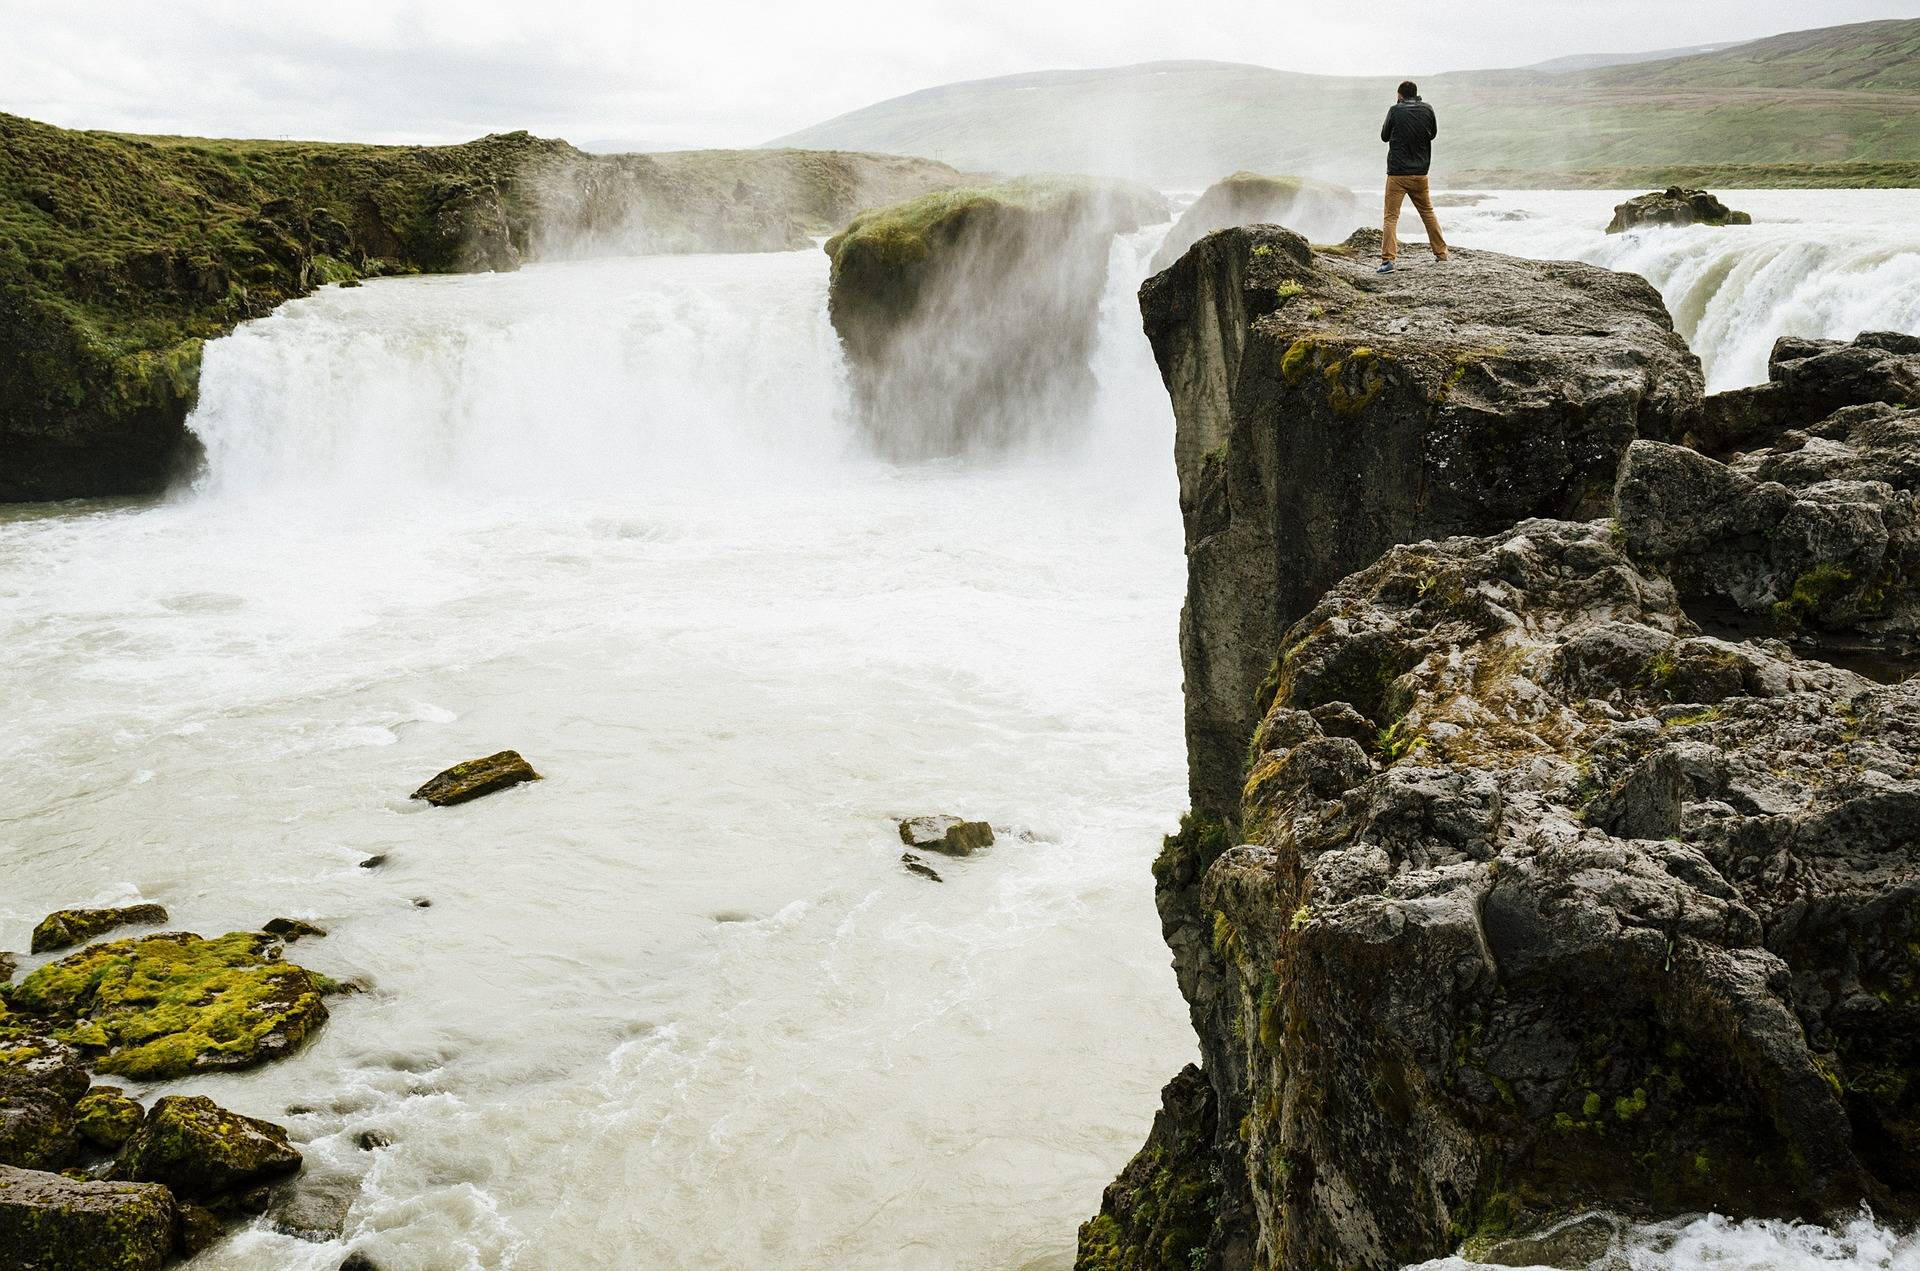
(1386, 267)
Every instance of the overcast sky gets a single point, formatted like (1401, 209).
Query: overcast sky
(736, 72)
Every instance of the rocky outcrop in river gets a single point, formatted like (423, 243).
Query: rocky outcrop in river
(1674, 206)
(1318, 210)
(968, 316)
(120, 255)
(1528, 894)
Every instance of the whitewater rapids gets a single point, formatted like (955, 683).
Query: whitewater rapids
(679, 1005)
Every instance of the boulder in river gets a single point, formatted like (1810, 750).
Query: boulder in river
(1325, 413)
(107, 1118)
(8, 965)
(49, 1222)
(948, 835)
(1674, 206)
(205, 1153)
(315, 1206)
(1317, 210)
(914, 865)
(166, 1005)
(68, 927)
(476, 777)
(968, 316)
(36, 1128)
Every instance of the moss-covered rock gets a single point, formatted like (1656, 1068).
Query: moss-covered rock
(948, 835)
(1160, 1212)
(476, 777)
(68, 927)
(107, 1118)
(203, 1152)
(968, 315)
(52, 1223)
(167, 1005)
(36, 1128)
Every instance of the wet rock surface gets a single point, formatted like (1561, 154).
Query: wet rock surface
(168, 1005)
(948, 835)
(205, 1153)
(68, 927)
(1326, 413)
(474, 778)
(1674, 206)
(968, 316)
(1531, 897)
(52, 1223)
(1807, 380)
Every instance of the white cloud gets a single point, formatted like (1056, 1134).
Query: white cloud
(735, 72)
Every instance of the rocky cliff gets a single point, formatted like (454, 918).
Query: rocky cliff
(1527, 894)
(119, 255)
(968, 316)
(1325, 413)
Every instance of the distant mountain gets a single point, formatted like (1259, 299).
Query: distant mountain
(1835, 96)
(1595, 61)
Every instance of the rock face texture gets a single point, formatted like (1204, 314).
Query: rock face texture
(968, 316)
(120, 255)
(1317, 210)
(1533, 896)
(1674, 206)
(1326, 413)
(52, 1223)
(204, 1153)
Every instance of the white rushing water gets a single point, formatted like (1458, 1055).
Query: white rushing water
(678, 1005)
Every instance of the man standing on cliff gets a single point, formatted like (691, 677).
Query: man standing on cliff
(1409, 133)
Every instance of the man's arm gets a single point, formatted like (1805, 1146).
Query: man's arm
(1433, 123)
(1386, 129)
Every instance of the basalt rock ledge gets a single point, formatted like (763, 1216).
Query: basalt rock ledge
(1526, 893)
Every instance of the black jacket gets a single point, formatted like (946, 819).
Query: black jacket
(1409, 133)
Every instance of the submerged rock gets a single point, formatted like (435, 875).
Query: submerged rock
(291, 929)
(476, 777)
(1317, 210)
(205, 1153)
(968, 316)
(8, 965)
(1325, 413)
(52, 1223)
(315, 1207)
(914, 865)
(948, 835)
(167, 1005)
(69, 927)
(1674, 206)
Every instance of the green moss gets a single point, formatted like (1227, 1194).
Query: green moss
(167, 1005)
(1288, 289)
(1186, 853)
(1297, 361)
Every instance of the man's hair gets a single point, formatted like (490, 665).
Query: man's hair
(1409, 89)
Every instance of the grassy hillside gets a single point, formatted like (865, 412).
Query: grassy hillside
(119, 255)
(1842, 95)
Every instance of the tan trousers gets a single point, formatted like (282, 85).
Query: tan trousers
(1414, 188)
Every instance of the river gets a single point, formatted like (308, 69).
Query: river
(679, 1005)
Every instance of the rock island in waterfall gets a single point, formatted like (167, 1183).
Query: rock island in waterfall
(752, 638)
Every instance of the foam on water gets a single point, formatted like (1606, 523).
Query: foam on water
(1814, 263)
(678, 1004)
